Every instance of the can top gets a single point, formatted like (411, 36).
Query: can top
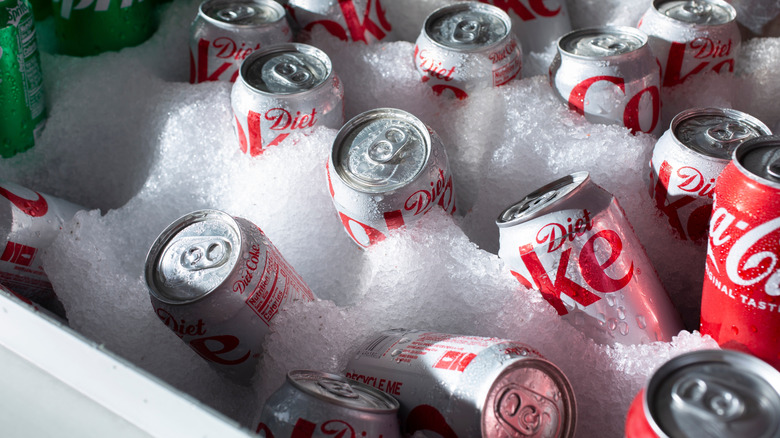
(539, 202)
(714, 393)
(340, 391)
(193, 256)
(703, 12)
(467, 26)
(759, 159)
(602, 42)
(381, 150)
(289, 68)
(242, 13)
(716, 132)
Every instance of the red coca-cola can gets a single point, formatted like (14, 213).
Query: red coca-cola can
(465, 47)
(571, 241)
(226, 31)
(691, 37)
(314, 404)
(536, 23)
(281, 90)
(740, 305)
(688, 158)
(467, 386)
(609, 75)
(385, 171)
(218, 282)
(708, 394)
(347, 20)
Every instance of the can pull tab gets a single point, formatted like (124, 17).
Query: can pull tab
(340, 389)
(708, 400)
(467, 30)
(388, 145)
(696, 8)
(728, 133)
(235, 13)
(608, 45)
(517, 413)
(290, 71)
(205, 253)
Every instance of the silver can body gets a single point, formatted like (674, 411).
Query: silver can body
(348, 20)
(467, 386)
(687, 160)
(315, 404)
(385, 171)
(609, 75)
(218, 282)
(465, 47)
(692, 37)
(281, 90)
(536, 23)
(571, 241)
(225, 32)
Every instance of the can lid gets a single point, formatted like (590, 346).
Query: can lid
(381, 150)
(602, 42)
(289, 68)
(531, 397)
(759, 159)
(704, 12)
(716, 132)
(339, 390)
(467, 26)
(714, 393)
(537, 203)
(193, 256)
(242, 13)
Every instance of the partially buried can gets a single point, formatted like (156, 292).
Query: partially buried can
(281, 90)
(218, 283)
(609, 75)
(708, 394)
(21, 81)
(465, 47)
(317, 404)
(348, 20)
(740, 305)
(690, 37)
(688, 158)
(536, 24)
(387, 169)
(467, 386)
(227, 31)
(571, 241)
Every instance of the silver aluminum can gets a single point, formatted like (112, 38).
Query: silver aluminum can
(571, 241)
(536, 23)
(609, 75)
(218, 282)
(387, 169)
(348, 20)
(708, 394)
(281, 90)
(691, 37)
(688, 158)
(467, 386)
(466, 47)
(314, 404)
(226, 31)
(29, 223)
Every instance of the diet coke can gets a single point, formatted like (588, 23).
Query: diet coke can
(708, 394)
(314, 404)
(689, 157)
(387, 169)
(227, 31)
(536, 23)
(740, 307)
(571, 241)
(465, 47)
(610, 75)
(691, 37)
(467, 386)
(347, 20)
(281, 90)
(218, 282)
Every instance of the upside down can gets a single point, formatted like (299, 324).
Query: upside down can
(314, 404)
(348, 20)
(571, 241)
(386, 170)
(535, 23)
(467, 386)
(281, 90)
(688, 158)
(740, 305)
(217, 282)
(227, 31)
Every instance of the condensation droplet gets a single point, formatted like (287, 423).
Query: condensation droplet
(641, 322)
(623, 328)
(621, 313)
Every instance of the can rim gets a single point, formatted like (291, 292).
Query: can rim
(732, 14)
(744, 148)
(287, 47)
(468, 5)
(209, 3)
(643, 37)
(393, 404)
(581, 179)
